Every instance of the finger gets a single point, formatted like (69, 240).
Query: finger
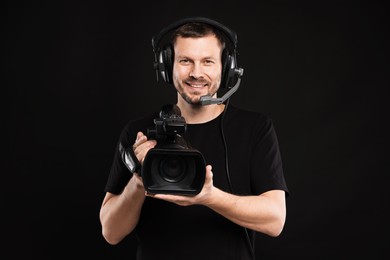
(139, 136)
(209, 172)
(143, 149)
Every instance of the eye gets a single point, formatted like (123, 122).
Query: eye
(184, 61)
(209, 62)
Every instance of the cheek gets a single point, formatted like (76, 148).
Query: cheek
(175, 75)
(215, 75)
(215, 72)
(180, 71)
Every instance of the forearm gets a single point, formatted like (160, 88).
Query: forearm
(264, 213)
(120, 213)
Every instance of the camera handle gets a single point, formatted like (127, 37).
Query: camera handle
(129, 159)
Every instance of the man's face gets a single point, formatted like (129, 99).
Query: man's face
(197, 67)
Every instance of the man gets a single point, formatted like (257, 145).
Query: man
(244, 189)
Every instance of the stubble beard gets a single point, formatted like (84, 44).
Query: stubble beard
(194, 98)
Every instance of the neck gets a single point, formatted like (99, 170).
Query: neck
(196, 114)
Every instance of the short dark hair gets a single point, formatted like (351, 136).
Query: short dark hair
(197, 30)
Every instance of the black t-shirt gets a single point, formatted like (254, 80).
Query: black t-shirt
(168, 231)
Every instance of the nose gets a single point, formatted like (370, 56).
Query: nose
(196, 71)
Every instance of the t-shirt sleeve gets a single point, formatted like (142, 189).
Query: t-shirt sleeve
(119, 175)
(266, 162)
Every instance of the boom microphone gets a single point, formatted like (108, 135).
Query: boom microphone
(208, 100)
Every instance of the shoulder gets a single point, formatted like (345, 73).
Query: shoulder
(247, 117)
(142, 121)
(140, 124)
(250, 125)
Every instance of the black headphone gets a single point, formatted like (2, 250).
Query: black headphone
(164, 54)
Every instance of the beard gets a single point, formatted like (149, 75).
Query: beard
(193, 97)
(194, 100)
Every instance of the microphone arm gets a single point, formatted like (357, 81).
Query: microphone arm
(208, 100)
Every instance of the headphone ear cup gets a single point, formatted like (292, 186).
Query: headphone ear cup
(167, 62)
(228, 70)
(225, 58)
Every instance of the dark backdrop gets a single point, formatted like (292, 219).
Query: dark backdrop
(75, 72)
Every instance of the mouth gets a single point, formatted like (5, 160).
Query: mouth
(196, 84)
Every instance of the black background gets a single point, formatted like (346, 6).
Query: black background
(76, 71)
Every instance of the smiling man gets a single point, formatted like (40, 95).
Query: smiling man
(244, 189)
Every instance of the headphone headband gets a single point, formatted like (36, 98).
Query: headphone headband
(230, 35)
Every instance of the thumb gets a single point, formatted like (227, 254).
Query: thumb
(209, 173)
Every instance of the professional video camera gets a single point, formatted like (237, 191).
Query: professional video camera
(172, 166)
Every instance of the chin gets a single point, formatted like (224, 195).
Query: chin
(192, 100)
(195, 102)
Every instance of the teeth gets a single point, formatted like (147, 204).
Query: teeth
(197, 86)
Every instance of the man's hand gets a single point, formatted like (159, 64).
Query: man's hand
(142, 145)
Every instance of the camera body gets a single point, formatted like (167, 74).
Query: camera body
(168, 128)
(172, 166)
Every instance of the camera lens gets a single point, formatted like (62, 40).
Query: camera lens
(173, 171)
(172, 168)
